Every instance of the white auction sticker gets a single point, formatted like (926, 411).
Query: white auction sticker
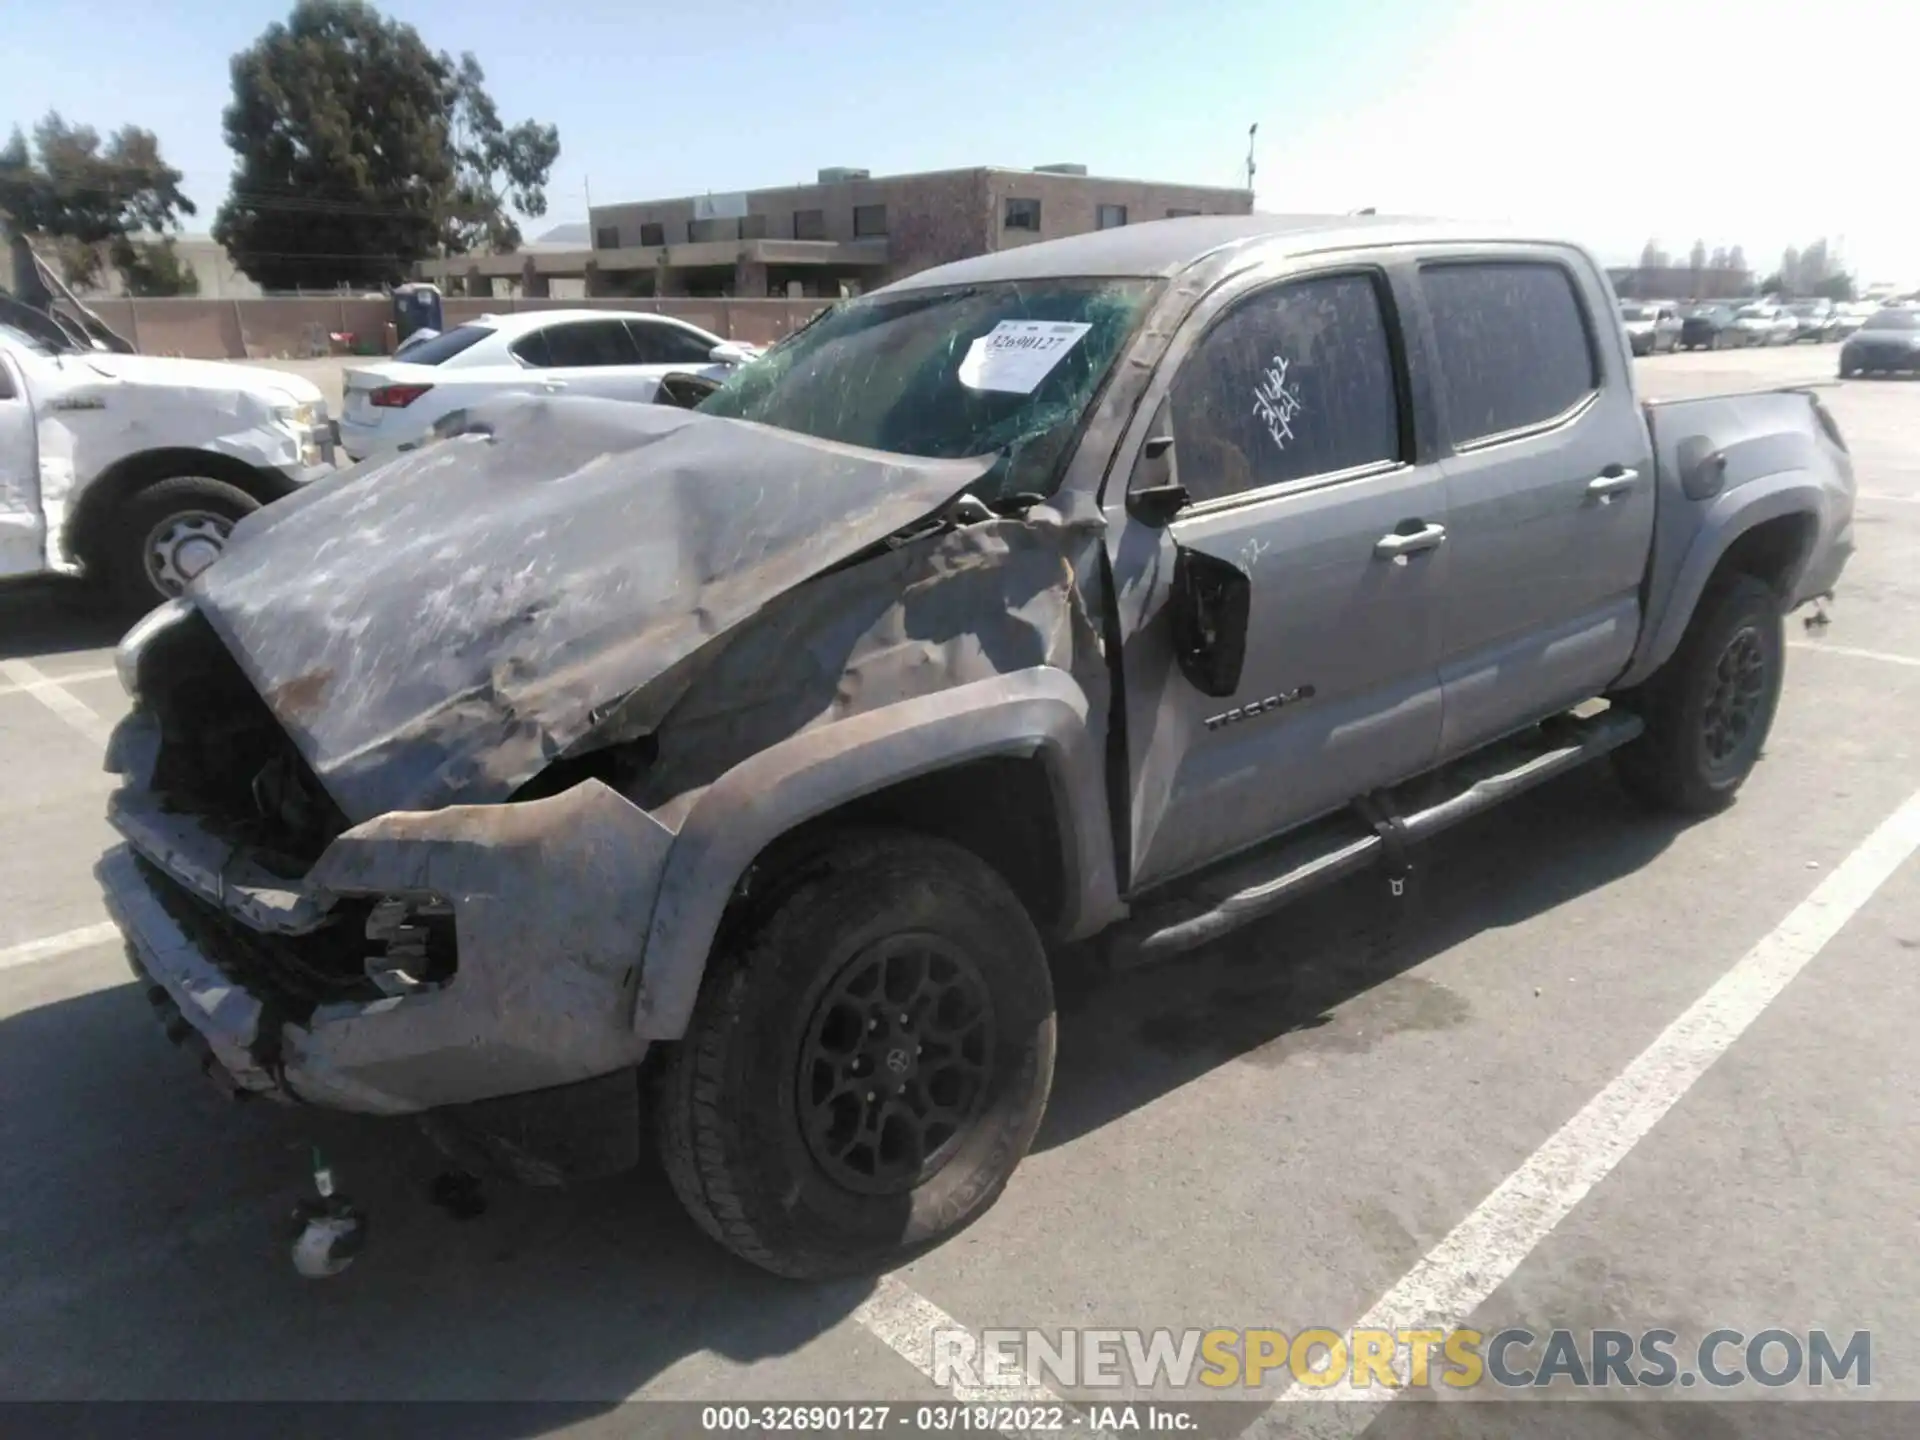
(1016, 355)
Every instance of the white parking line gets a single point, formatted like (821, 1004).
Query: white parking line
(1886, 657)
(51, 693)
(904, 1321)
(1882, 495)
(10, 688)
(54, 946)
(1483, 1250)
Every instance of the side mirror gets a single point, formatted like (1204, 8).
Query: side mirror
(683, 390)
(728, 353)
(1212, 600)
(1154, 492)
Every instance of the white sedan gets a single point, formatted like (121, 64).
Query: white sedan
(393, 404)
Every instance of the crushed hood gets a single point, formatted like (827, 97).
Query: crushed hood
(445, 623)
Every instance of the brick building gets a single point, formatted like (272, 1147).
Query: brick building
(847, 232)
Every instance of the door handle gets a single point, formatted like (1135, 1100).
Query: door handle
(1617, 482)
(1396, 544)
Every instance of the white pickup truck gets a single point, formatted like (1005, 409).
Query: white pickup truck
(133, 469)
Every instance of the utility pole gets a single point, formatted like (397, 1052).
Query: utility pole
(1252, 130)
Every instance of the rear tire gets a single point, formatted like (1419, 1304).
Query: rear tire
(868, 1061)
(166, 534)
(1709, 708)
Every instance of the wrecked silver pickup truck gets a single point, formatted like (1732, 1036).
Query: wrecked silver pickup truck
(751, 757)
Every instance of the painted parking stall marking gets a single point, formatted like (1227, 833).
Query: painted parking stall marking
(53, 947)
(1483, 1250)
(30, 679)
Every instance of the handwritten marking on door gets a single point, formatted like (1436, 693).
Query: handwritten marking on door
(1276, 402)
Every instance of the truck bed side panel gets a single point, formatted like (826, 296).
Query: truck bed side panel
(1725, 464)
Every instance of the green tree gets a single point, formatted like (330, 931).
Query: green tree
(494, 168)
(153, 267)
(362, 150)
(1837, 288)
(76, 195)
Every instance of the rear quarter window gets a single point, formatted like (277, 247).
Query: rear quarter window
(444, 347)
(1514, 347)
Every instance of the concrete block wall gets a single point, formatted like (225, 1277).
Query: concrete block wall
(290, 328)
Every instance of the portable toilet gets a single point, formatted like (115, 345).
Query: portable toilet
(416, 306)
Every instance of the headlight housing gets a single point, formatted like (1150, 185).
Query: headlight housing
(303, 416)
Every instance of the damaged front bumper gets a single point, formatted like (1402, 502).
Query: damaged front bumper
(550, 903)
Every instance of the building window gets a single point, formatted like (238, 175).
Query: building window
(1180, 214)
(812, 224)
(653, 234)
(1023, 214)
(869, 220)
(1110, 217)
(607, 237)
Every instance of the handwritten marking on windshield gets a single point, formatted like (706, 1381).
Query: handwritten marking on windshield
(1276, 402)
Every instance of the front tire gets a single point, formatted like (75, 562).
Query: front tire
(166, 534)
(868, 1061)
(1709, 708)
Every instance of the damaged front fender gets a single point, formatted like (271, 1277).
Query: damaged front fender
(1039, 712)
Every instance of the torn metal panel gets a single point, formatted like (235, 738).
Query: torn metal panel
(21, 526)
(551, 901)
(93, 411)
(985, 599)
(445, 624)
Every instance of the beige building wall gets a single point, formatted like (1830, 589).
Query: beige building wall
(930, 218)
(300, 328)
(1070, 204)
(220, 278)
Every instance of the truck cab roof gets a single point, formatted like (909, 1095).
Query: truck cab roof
(1158, 248)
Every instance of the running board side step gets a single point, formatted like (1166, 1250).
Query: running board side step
(1255, 884)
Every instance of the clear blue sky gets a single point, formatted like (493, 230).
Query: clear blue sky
(665, 99)
(1581, 116)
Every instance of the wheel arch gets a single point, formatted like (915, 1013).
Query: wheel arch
(91, 520)
(1007, 767)
(1767, 529)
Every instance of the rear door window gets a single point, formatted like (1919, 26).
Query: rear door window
(1293, 381)
(666, 344)
(581, 344)
(444, 347)
(1513, 341)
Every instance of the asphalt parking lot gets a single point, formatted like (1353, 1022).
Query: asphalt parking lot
(1319, 1120)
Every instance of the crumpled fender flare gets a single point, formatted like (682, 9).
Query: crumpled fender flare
(1727, 517)
(1040, 711)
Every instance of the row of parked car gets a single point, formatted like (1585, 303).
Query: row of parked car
(1656, 325)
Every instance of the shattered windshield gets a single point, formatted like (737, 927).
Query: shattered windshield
(969, 370)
